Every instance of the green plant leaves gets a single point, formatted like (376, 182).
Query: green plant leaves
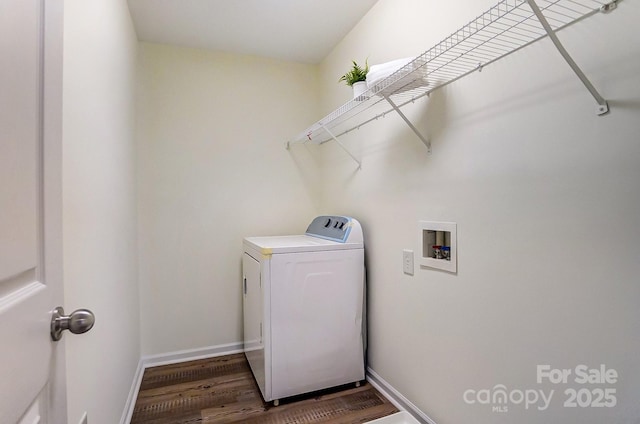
(356, 74)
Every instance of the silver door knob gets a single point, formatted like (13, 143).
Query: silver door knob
(78, 322)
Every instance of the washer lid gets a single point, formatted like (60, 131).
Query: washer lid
(299, 243)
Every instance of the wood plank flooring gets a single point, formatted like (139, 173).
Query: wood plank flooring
(222, 391)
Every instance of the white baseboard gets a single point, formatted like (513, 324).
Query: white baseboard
(191, 354)
(395, 397)
(172, 358)
(133, 394)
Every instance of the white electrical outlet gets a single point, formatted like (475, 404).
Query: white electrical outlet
(407, 261)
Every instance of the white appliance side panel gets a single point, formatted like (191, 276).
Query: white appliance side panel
(253, 313)
(316, 320)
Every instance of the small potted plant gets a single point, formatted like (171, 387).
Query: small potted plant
(357, 79)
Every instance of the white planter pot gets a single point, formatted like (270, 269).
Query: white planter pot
(358, 89)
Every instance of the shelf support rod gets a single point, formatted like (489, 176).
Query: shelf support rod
(603, 106)
(425, 140)
(342, 146)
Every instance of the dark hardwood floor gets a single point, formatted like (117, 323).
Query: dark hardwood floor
(222, 390)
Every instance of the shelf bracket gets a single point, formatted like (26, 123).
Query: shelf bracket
(342, 146)
(609, 7)
(425, 140)
(603, 106)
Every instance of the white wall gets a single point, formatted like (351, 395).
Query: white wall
(100, 252)
(212, 170)
(545, 195)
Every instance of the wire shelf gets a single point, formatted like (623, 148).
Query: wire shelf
(505, 28)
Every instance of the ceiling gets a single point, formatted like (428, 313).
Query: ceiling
(292, 30)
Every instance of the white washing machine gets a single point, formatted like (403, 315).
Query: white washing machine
(303, 308)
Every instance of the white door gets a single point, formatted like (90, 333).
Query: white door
(31, 365)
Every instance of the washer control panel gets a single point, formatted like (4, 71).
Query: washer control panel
(336, 228)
